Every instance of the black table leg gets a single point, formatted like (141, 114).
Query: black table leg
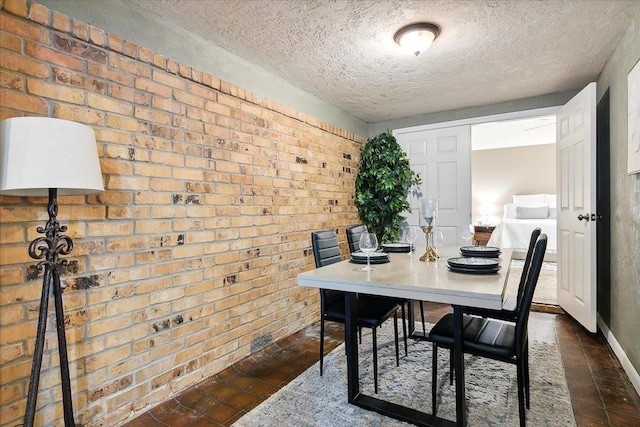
(458, 363)
(410, 317)
(371, 403)
(351, 344)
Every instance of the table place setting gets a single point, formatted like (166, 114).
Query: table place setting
(398, 247)
(473, 265)
(375, 257)
(480, 251)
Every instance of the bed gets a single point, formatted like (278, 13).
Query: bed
(520, 217)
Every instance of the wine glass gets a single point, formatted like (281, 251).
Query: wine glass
(368, 245)
(467, 234)
(410, 235)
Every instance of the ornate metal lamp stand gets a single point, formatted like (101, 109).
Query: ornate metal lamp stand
(48, 249)
(42, 156)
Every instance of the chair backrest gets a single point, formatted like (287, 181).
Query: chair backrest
(527, 263)
(326, 251)
(325, 247)
(353, 236)
(522, 318)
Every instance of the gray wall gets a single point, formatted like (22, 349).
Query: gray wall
(145, 29)
(624, 306)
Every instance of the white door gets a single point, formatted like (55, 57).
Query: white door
(576, 169)
(442, 158)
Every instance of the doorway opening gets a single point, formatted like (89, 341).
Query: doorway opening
(513, 165)
(488, 210)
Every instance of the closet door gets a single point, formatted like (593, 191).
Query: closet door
(442, 158)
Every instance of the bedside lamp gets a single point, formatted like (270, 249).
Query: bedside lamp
(41, 156)
(487, 210)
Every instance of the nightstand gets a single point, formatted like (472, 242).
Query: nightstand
(482, 234)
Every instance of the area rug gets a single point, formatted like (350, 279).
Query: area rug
(546, 288)
(312, 400)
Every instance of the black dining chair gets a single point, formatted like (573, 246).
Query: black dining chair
(510, 305)
(371, 312)
(353, 239)
(495, 339)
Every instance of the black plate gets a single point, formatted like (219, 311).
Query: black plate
(474, 270)
(482, 255)
(480, 249)
(374, 255)
(476, 263)
(397, 247)
(373, 260)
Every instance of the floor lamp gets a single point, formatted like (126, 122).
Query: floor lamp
(43, 156)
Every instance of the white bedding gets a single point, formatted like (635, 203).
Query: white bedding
(516, 233)
(521, 217)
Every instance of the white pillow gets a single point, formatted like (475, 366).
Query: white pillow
(509, 210)
(553, 213)
(529, 212)
(529, 199)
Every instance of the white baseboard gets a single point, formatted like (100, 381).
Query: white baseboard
(633, 375)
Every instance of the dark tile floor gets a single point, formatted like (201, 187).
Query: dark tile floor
(601, 393)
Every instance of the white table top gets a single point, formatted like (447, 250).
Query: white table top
(408, 277)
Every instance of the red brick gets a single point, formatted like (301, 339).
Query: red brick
(24, 65)
(17, 7)
(24, 29)
(20, 101)
(80, 30)
(61, 22)
(39, 13)
(44, 53)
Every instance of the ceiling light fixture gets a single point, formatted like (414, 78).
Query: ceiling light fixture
(416, 38)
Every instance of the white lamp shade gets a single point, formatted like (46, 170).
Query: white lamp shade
(38, 153)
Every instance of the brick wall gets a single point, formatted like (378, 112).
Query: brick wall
(187, 262)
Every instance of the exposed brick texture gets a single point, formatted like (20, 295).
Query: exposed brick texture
(187, 262)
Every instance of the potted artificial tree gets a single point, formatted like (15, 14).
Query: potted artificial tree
(382, 186)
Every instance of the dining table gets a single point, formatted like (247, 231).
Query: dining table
(405, 276)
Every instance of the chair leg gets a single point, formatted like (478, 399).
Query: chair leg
(525, 367)
(375, 359)
(424, 330)
(321, 344)
(434, 378)
(395, 324)
(360, 333)
(404, 330)
(521, 387)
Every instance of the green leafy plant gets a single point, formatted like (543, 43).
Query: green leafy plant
(382, 186)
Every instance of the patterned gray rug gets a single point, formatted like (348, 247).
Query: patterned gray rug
(311, 400)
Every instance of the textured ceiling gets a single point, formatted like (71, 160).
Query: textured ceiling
(343, 50)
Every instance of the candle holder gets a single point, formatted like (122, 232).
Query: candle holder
(428, 214)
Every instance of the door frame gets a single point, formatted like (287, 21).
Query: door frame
(514, 115)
